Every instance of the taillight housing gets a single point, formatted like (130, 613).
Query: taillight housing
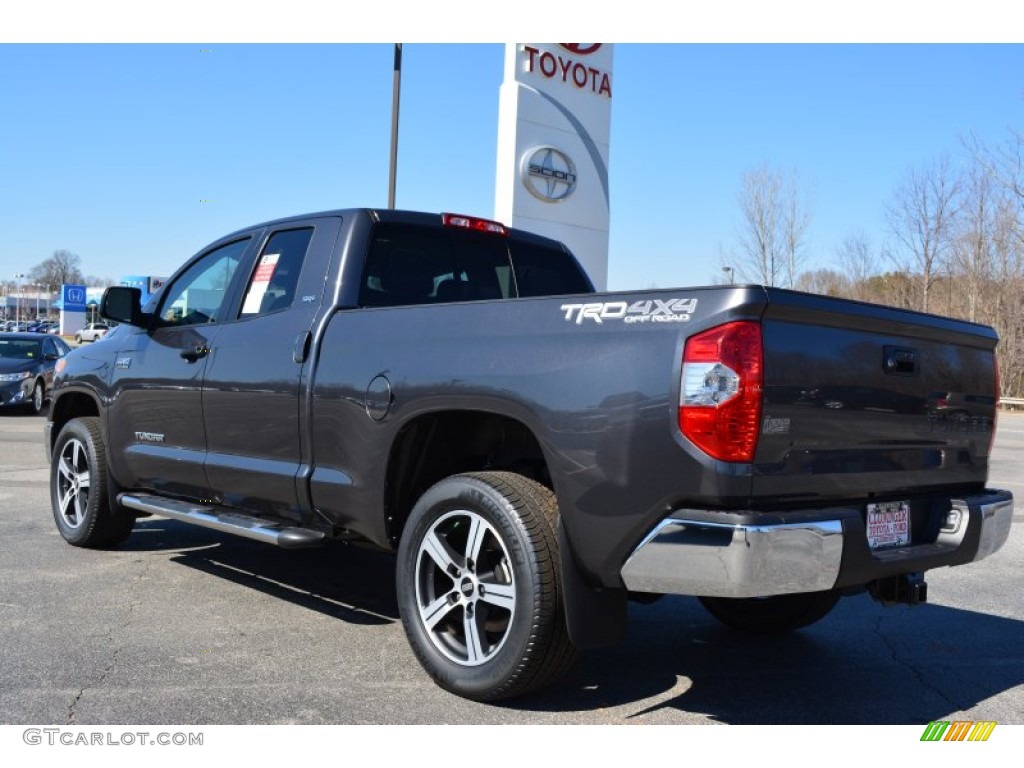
(995, 405)
(721, 388)
(474, 223)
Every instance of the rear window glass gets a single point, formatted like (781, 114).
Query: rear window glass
(542, 271)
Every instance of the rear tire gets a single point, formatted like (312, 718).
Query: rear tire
(79, 486)
(771, 615)
(479, 586)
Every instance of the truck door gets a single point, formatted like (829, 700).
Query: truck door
(254, 388)
(156, 407)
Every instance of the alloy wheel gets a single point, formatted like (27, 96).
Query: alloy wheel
(73, 483)
(465, 588)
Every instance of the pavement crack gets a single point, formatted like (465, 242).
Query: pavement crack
(115, 637)
(921, 678)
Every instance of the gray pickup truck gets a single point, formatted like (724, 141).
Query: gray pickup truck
(536, 453)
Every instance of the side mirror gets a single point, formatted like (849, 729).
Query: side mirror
(123, 305)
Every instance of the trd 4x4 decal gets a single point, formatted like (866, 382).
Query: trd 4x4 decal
(646, 311)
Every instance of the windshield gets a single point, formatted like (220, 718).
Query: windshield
(20, 349)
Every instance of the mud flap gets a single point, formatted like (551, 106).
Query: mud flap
(596, 616)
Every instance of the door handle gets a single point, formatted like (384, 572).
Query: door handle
(195, 353)
(300, 350)
(899, 361)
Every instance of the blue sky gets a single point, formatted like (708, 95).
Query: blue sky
(135, 156)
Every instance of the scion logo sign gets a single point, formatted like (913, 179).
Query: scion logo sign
(549, 174)
(649, 311)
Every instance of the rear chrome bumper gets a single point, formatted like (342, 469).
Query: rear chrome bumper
(996, 520)
(696, 557)
(691, 557)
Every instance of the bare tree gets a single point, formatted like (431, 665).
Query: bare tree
(827, 282)
(1005, 164)
(761, 208)
(775, 218)
(921, 216)
(62, 267)
(893, 288)
(796, 218)
(998, 299)
(1003, 307)
(972, 244)
(857, 261)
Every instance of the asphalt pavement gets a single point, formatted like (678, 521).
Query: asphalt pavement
(189, 626)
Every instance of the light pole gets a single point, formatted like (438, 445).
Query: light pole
(17, 306)
(728, 271)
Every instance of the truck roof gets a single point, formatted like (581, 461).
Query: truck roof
(389, 215)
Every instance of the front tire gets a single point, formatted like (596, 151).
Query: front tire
(771, 615)
(35, 405)
(479, 586)
(79, 486)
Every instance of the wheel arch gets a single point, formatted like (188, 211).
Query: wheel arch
(435, 445)
(70, 405)
(420, 456)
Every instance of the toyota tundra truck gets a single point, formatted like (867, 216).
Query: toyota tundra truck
(536, 453)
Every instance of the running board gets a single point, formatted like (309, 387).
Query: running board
(221, 519)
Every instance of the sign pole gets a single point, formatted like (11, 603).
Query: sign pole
(396, 90)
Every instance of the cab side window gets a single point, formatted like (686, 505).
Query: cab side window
(199, 294)
(274, 279)
(409, 264)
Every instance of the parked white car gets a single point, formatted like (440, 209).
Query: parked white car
(92, 332)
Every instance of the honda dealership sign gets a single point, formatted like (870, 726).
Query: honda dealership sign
(73, 297)
(74, 300)
(554, 128)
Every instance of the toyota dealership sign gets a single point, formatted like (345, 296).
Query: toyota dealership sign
(571, 66)
(553, 140)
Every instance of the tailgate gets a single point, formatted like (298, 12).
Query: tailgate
(862, 401)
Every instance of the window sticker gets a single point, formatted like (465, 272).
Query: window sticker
(260, 283)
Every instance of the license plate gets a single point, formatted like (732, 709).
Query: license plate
(888, 524)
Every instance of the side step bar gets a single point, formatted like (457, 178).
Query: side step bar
(220, 519)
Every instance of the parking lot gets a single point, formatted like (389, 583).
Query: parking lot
(187, 625)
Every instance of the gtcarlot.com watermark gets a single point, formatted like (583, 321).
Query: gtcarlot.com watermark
(69, 737)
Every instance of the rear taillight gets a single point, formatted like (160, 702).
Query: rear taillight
(720, 396)
(474, 223)
(995, 406)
